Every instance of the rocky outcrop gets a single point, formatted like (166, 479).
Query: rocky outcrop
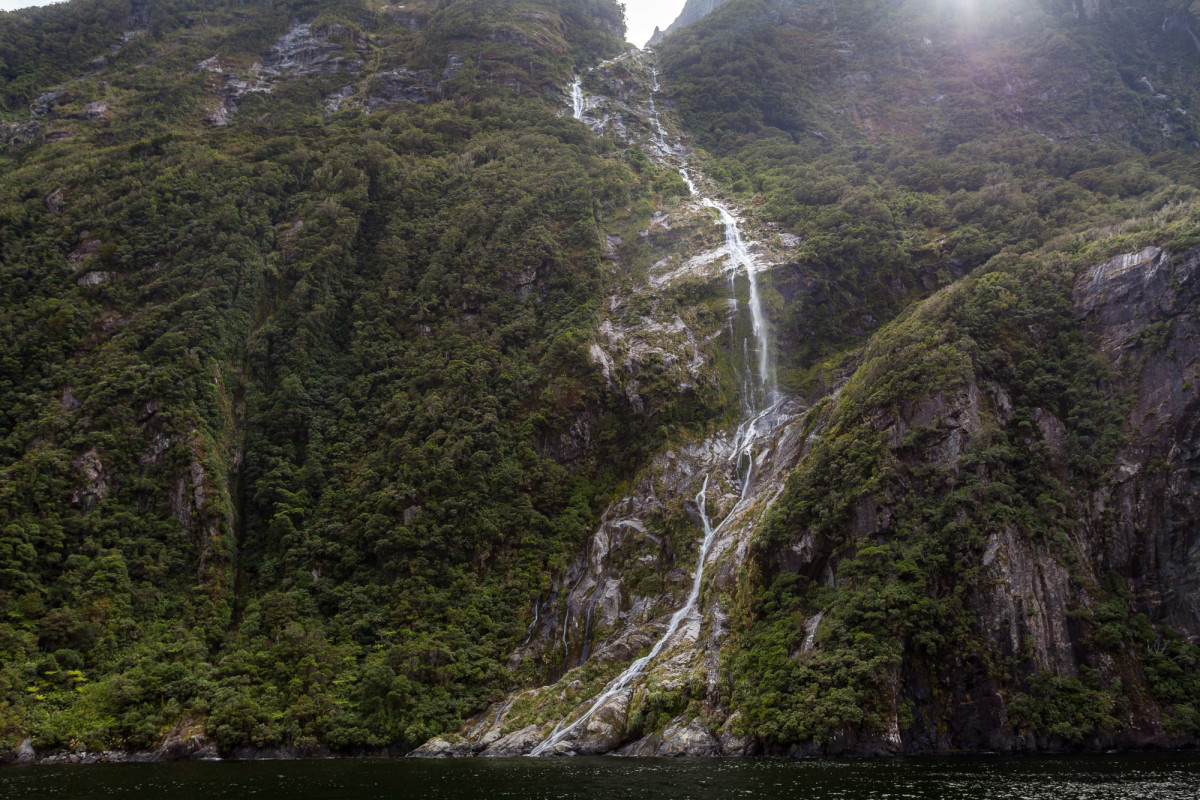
(1027, 596)
(96, 480)
(439, 747)
(680, 738)
(400, 86)
(302, 52)
(25, 753)
(95, 277)
(18, 134)
(44, 104)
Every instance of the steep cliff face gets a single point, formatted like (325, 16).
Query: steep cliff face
(1144, 308)
(1013, 573)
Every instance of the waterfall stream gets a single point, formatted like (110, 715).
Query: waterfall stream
(577, 98)
(760, 398)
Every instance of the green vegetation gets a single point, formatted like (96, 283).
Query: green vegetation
(279, 399)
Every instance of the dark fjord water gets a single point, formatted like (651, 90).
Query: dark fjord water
(1168, 777)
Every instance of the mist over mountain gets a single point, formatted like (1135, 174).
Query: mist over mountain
(445, 377)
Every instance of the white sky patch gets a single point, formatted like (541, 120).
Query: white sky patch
(13, 5)
(641, 16)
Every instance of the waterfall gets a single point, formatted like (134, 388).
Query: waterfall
(635, 669)
(760, 399)
(742, 257)
(577, 97)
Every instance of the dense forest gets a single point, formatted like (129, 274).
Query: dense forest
(301, 427)
(277, 394)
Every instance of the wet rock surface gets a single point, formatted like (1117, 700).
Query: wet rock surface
(1152, 508)
(1140, 526)
(439, 747)
(680, 738)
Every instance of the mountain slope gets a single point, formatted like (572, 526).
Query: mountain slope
(987, 539)
(950, 568)
(288, 387)
(921, 136)
(839, 361)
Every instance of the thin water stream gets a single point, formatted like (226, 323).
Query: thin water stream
(577, 105)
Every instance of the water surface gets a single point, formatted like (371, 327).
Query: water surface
(1165, 777)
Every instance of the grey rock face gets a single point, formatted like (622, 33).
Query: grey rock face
(96, 479)
(312, 52)
(302, 51)
(1027, 599)
(19, 133)
(44, 104)
(442, 748)
(733, 744)
(400, 86)
(95, 278)
(679, 739)
(517, 743)
(1155, 501)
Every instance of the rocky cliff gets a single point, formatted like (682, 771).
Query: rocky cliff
(1047, 632)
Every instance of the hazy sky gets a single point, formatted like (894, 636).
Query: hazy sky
(9, 5)
(640, 15)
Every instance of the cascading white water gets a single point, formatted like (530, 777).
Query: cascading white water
(743, 258)
(635, 669)
(758, 402)
(577, 98)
